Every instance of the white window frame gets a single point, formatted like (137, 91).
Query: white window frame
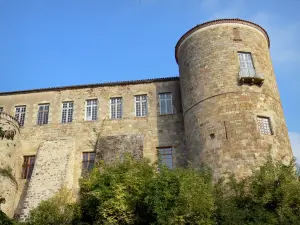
(67, 115)
(20, 116)
(145, 112)
(44, 111)
(91, 106)
(246, 64)
(115, 106)
(166, 101)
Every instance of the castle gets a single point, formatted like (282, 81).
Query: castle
(224, 110)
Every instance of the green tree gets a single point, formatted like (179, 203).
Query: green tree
(58, 210)
(270, 196)
(133, 192)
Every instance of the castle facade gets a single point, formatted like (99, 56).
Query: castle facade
(224, 110)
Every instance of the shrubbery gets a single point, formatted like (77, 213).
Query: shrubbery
(133, 192)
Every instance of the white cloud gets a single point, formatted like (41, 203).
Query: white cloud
(295, 142)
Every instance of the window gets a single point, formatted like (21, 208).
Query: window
(140, 105)
(116, 108)
(20, 114)
(88, 161)
(264, 125)
(67, 112)
(246, 64)
(28, 165)
(165, 103)
(91, 109)
(43, 114)
(1, 109)
(165, 156)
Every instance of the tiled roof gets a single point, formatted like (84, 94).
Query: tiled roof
(118, 83)
(219, 21)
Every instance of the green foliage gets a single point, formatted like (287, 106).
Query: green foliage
(57, 210)
(133, 192)
(270, 196)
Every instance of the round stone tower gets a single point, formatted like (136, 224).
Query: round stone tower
(232, 111)
(9, 132)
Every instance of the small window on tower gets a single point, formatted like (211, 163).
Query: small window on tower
(247, 72)
(264, 125)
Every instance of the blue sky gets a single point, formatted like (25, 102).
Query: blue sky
(57, 42)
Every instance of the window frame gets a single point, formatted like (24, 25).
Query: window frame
(161, 161)
(91, 106)
(141, 105)
(248, 71)
(68, 108)
(269, 125)
(116, 108)
(18, 115)
(88, 161)
(28, 167)
(160, 100)
(43, 111)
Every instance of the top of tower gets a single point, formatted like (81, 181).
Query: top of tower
(219, 21)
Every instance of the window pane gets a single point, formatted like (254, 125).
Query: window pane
(88, 161)
(28, 166)
(165, 157)
(264, 125)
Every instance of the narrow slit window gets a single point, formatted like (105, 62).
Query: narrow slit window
(246, 64)
(140, 105)
(28, 166)
(91, 109)
(264, 125)
(165, 156)
(116, 108)
(67, 112)
(88, 161)
(165, 103)
(20, 114)
(43, 114)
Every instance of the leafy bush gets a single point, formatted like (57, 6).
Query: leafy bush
(134, 192)
(57, 210)
(270, 196)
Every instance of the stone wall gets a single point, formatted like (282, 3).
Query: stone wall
(149, 132)
(53, 170)
(8, 185)
(220, 114)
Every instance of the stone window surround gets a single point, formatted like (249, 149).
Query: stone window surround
(159, 103)
(20, 114)
(67, 114)
(116, 108)
(38, 111)
(147, 104)
(270, 124)
(28, 166)
(165, 148)
(85, 108)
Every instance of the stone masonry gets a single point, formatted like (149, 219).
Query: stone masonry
(214, 117)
